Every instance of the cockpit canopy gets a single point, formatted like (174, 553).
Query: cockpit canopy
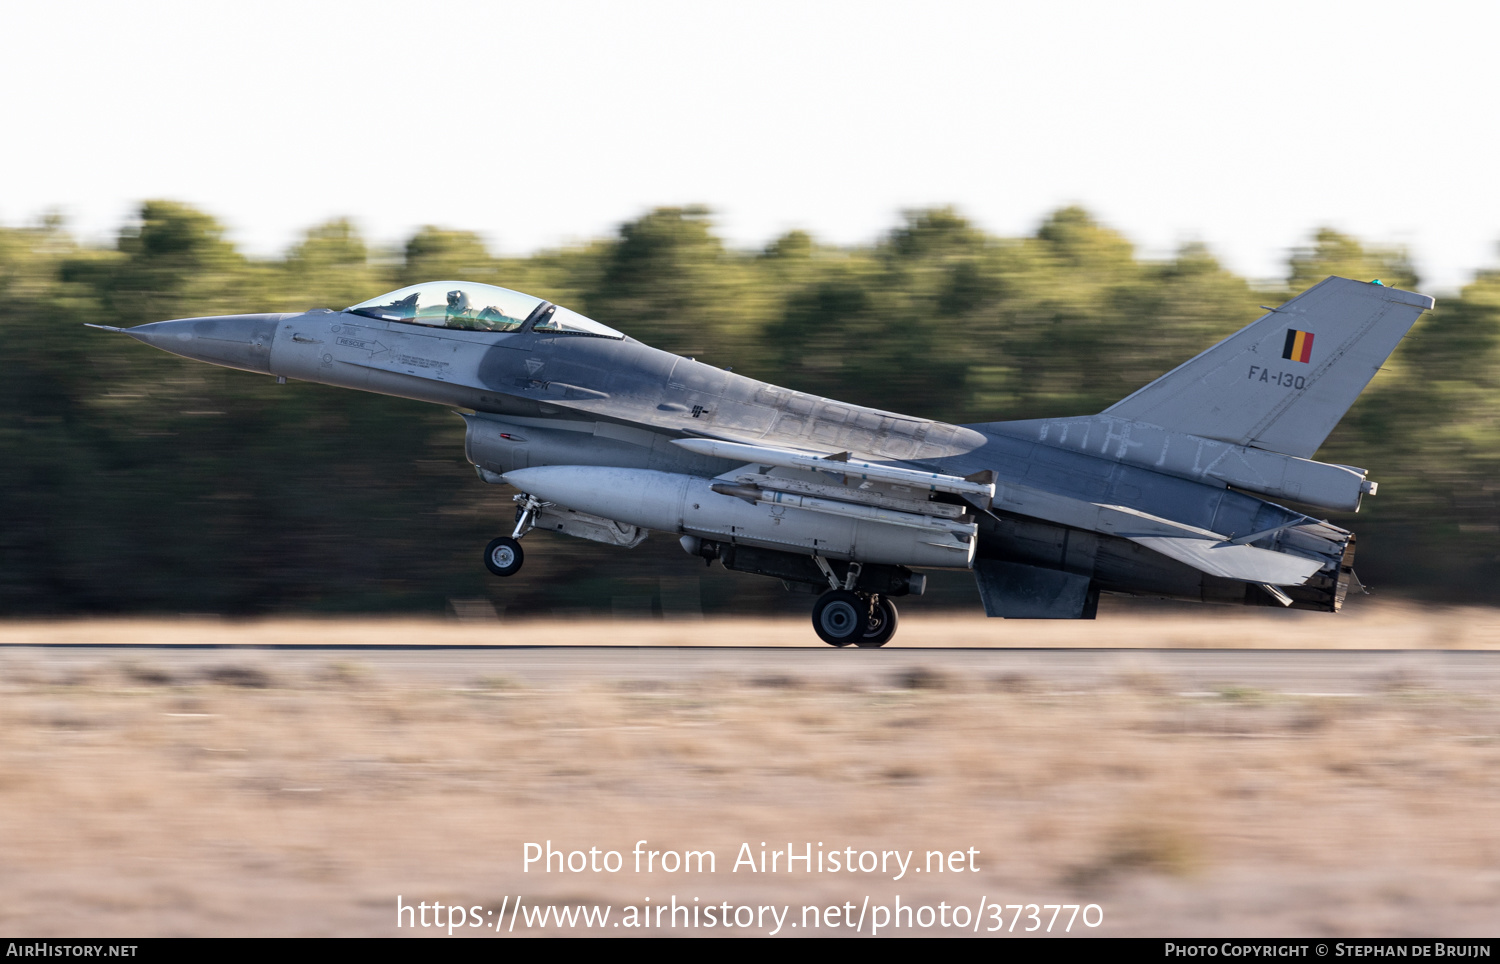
(477, 307)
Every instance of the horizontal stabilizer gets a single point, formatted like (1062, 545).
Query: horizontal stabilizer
(1245, 563)
(1200, 459)
(1204, 550)
(1282, 383)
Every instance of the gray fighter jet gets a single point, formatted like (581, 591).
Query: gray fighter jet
(606, 438)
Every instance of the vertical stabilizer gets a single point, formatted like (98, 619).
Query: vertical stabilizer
(1282, 383)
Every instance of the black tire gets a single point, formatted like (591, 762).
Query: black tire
(503, 556)
(839, 617)
(881, 626)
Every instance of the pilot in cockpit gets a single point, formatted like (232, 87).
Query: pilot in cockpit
(459, 309)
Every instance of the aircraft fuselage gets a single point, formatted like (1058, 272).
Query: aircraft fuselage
(608, 438)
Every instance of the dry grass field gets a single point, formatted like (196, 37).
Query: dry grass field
(246, 792)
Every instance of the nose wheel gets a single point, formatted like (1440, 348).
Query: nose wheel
(841, 617)
(503, 556)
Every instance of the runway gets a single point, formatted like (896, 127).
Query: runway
(1191, 672)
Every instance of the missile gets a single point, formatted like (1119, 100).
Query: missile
(929, 481)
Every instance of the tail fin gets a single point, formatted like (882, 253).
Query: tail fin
(1282, 383)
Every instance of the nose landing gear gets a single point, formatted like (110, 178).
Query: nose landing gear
(503, 556)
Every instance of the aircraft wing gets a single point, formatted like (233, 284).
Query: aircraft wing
(1207, 551)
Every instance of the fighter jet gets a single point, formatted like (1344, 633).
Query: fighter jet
(1166, 493)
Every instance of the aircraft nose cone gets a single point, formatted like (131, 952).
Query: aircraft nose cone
(234, 341)
(166, 335)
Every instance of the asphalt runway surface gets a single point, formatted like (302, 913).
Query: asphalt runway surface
(1291, 672)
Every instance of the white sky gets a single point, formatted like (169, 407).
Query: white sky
(1244, 126)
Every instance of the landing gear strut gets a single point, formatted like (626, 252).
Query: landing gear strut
(842, 616)
(881, 626)
(503, 556)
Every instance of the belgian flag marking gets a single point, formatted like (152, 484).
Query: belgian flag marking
(1298, 345)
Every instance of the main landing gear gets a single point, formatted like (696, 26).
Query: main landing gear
(503, 556)
(842, 616)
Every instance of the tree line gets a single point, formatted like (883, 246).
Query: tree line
(137, 482)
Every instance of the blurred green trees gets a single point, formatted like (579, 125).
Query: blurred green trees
(133, 481)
